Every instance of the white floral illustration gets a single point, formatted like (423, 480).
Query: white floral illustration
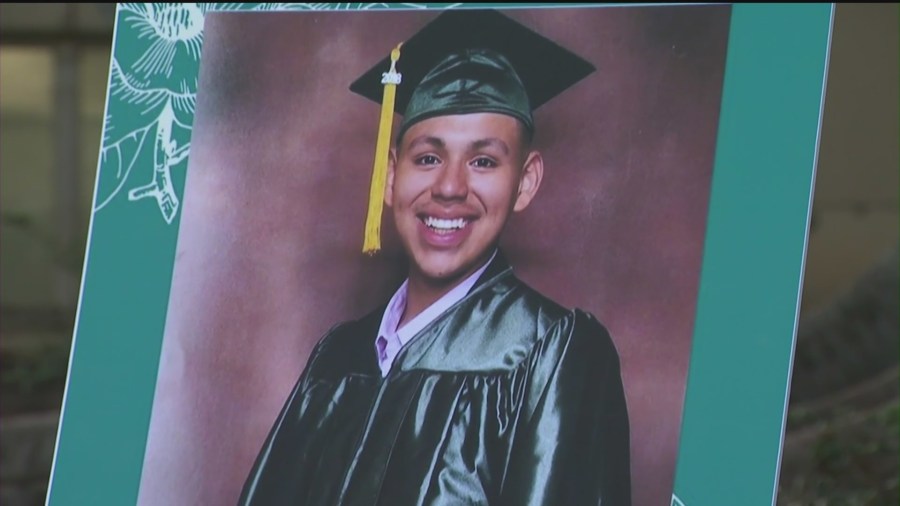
(168, 26)
(153, 93)
(150, 84)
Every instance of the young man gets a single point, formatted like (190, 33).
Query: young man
(467, 387)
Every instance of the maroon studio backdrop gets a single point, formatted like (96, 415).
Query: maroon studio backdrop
(269, 247)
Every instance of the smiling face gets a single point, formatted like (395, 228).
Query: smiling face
(452, 184)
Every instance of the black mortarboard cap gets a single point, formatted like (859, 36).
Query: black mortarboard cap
(464, 61)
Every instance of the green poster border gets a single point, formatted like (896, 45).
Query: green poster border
(757, 230)
(743, 343)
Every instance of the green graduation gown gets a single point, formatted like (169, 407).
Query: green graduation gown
(505, 399)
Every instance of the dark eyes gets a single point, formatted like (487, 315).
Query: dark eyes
(480, 162)
(484, 163)
(427, 160)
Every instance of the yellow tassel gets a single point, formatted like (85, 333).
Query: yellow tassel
(390, 79)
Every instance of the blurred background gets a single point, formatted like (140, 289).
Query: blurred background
(841, 445)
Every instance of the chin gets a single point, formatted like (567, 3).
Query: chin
(440, 271)
(445, 268)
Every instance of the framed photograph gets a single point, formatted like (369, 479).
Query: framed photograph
(590, 220)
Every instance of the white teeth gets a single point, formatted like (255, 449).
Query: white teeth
(442, 224)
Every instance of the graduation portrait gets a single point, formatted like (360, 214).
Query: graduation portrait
(438, 257)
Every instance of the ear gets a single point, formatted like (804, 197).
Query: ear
(389, 182)
(530, 181)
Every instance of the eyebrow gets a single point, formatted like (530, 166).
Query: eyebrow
(491, 141)
(438, 143)
(429, 140)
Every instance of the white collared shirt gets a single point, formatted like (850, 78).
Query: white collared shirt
(391, 339)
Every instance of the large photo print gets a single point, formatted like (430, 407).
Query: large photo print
(521, 331)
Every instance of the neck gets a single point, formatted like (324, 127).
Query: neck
(422, 291)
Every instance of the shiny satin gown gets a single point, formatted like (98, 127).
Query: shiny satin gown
(505, 399)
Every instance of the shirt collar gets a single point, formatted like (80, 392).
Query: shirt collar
(395, 308)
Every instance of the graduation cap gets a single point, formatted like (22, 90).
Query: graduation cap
(464, 61)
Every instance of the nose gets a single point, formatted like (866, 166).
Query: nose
(451, 183)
